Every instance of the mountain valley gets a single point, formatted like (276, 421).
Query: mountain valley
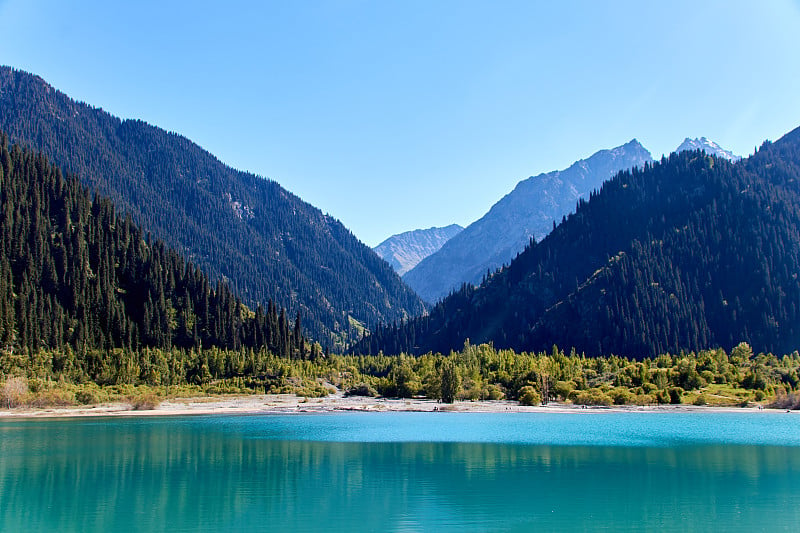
(264, 241)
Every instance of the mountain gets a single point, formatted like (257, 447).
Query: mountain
(691, 252)
(91, 286)
(404, 250)
(261, 239)
(709, 147)
(529, 211)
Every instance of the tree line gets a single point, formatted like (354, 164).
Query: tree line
(482, 372)
(78, 280)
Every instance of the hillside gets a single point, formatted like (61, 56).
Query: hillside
(404, 250)
(529, 211)
(82, 282)
(264, 241)
(689, 253)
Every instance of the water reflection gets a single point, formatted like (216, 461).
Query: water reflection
(193, 474)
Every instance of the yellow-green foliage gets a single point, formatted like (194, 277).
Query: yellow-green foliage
(14, 392)
(593, 396)
(145, 401)
(712, 376)
(362, 389)
(529, 396)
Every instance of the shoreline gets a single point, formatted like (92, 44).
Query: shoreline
(281, 404)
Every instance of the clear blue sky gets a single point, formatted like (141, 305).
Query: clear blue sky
(395, 115)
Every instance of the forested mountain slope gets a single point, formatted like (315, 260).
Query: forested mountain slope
(80, 281)
(689, 253)
(529, 211)
(264, 241)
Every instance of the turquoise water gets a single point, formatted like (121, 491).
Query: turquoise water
(404, 472)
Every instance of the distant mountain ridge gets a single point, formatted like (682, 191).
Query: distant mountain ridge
(692, 252)
(529, 211)
(238, 227)
(709, 147)
(405, 250)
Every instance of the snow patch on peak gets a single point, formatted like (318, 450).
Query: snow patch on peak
(709, 146)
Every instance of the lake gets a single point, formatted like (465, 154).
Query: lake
(586, 471)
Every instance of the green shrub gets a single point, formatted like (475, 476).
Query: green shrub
(87, 397)
(494, 392)
(312, 390)
(146, 401)
(227, 386)
(675, 394)
(620, 396)
(450, 381)
(362, 389)
(529, 396)
(573, 396)
(701, 400)
(592, 396)
(562, 389)
(643, 399)
(56, 397)
(472, 393)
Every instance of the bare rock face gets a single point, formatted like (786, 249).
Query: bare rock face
(405, 250)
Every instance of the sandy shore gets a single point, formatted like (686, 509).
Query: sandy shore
(286, 404)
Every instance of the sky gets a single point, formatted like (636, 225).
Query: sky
(397, 115)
